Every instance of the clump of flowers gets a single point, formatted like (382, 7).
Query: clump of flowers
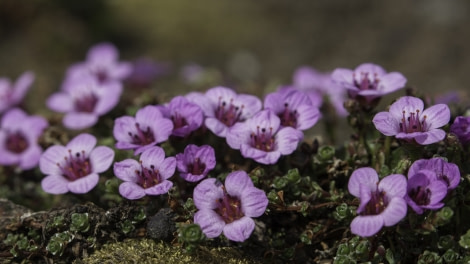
(148, 176)
(382, 202)
(408, 120)
(229, 208)
(425, 191)
(185, 115)
(446, 172)
(263, 139)
(143, 131)
(196, 162)
(19, 134)
(12, 94)
(74, 167)
(368, 81)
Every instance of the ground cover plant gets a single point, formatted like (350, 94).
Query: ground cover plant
(219, 169)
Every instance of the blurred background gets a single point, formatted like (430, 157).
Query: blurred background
(249, 45)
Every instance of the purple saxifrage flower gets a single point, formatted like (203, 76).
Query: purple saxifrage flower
(196, 162)
(148, 176)
(293, 107)
(318, 84)
(406, 120)
(148, 128)
(381, 203)
(461, 128)
(12, 94)
(447, 172)
(224, 108)
(229, 208)
(425, 191)
(261, 138)
(74, 167)
(368, 81)
(186, 116)
(84, 102)
(19, 134)
(101, 63)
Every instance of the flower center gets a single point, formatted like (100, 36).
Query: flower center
(288, 117)
(412, 123)
(86, 103)
(196, 168)
(76, 166)
(178, 121)
(377, 204)
(229, 208)
(228, 114)
(148, 177)
(16, 142)
(262, 139)
(420, 195)
(143, 136)
(366, 83)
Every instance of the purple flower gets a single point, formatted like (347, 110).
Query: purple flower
(12, 94)
(381, 203)
(445, 171)
(145, 71)
(74, 167)
(229, 209)
(148, 128)
(262, 138)
(194, 164)
(186, 116)
(293, 107)
(317, 84)
(407, 120)
(148, 176)
(223, 108)
(461, 128)
(84, 102)
(369, 81)
(425, 191)
(19, 134)
(192, 73)
(101, 63)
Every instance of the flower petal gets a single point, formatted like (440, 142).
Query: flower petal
(30, 158)
(83, 142)
(362, 176)
(160, 188)
(50, 158)
(167, 167)
(393, 185)
(436, 116)
(126, 170)
(367, 226)
(386, 124)
(55, 184)
(239, 230)
(60, 102)
(253, 202)
(395, 211)
(430, 137)
(210, 222)
(101, 158)
(308, 116)
(237, 182)
(79, 120)
(131, 190)
(408, 104)
(287, 139)
(207, 193)
(83, 185)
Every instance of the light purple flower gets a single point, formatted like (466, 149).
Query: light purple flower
(19, 134)
(381, 203)
(192, 73)
(445, 171)
(407, 120)
(148, 128)
(74, 167)
(229, 209)
(148, 176)
(261, 138)
(461, 128)
(223, 108)
(12, 94)
(84, 102)
(293, 107)
(318, 84)
(102, 63)
(186, 116)
(369, 81)
(425, 191)
(145, 71)
(196, 162)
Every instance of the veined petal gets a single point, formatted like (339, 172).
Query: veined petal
(287, 139)
(308, 116)
(430, 137)
(207, 193)
(254, 202)
(126, 170)
(436, 116)
(393, 185)
(101, 158)
(79, 120)
(395, 211)
(60, 102)
(83, 142)
(237, 135)
(367, 226)
(239, 230)
(160, 188)
(131, 190)
(167, 167)
(48, 163)
(408, 104)
(54, 184)
(391, 82)
(362, 176)
(152, 156)
(83, 185)
(386, 123)
(237, 182)
(210, 222)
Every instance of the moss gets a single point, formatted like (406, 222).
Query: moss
(149, 251)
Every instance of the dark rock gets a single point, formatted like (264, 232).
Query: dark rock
(161, 226)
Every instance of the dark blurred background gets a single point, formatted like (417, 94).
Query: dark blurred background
(253, 43)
